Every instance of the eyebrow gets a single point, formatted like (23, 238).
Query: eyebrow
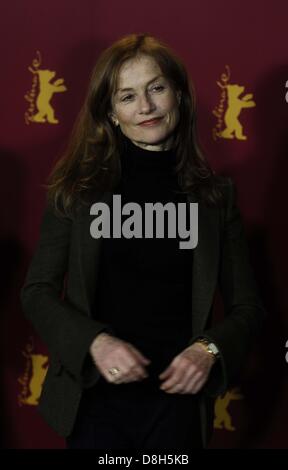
(129, 89)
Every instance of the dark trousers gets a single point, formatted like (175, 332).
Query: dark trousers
(125, 420)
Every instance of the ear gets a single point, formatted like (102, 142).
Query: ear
(113, 119)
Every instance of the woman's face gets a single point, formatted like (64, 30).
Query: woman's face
(142, 94)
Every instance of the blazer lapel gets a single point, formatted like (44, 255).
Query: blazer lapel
(205, 259)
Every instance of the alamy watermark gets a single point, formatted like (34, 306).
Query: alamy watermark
(131, 227)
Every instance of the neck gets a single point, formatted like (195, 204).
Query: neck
(159, 147)
(139, 159)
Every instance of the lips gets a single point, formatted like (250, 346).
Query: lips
(151, 122)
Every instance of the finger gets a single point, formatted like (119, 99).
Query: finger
(188, 375)
(166, 373)
(131, 370)
(198, 386)
(177, 388)
(195, 384)
(174, 379)
(201, 382)
(182, 389)
(137, 373)
(123, 362)
(139, 355)
(181, 375)
(136, 365)
(171, 387)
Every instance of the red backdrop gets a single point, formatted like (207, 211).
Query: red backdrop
(51, 48)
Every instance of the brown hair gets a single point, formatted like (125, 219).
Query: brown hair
(92, 157)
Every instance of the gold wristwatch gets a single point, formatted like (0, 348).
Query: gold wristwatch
(210, 347)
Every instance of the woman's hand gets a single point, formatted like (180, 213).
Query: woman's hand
(109, 352)
(188, 371)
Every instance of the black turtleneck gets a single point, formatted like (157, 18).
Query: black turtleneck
(145, 285)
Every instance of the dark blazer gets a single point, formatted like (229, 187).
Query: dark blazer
(65, 324)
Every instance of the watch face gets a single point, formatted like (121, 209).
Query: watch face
(213, 348)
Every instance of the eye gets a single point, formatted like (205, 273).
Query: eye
(126, 98)
(158, 87)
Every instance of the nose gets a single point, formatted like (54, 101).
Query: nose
(146, 104)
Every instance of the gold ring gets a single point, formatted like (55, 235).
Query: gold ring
(114, 371)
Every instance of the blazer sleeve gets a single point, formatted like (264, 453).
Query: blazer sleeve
(66, 331)
(244, 312)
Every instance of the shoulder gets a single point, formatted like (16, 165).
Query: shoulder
(53, 216)
(58, 212)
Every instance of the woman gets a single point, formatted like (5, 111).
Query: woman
(135, 361)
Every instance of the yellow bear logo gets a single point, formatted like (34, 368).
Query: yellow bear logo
(235, 105)
(47, 88)
(33, 377)
(222, 416)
